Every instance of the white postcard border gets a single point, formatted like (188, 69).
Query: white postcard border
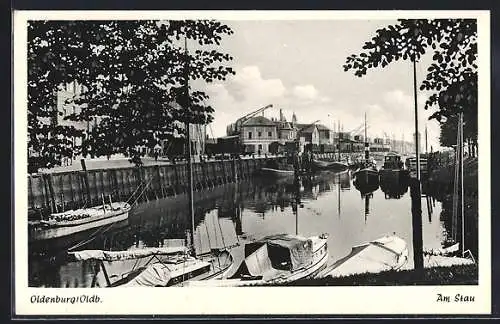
(254, 300)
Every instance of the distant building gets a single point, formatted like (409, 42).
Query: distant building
(326, 135)
(344, 135)
(257, 133)
(378, 145)
(62, 110)
(177, 146)
(287, 131)
(270, 135)
(359, 138)
(310, 134)
(403, 147)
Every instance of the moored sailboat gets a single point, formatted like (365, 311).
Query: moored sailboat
(393, 166)
(74, 221)
(152, 267)
(276, 259)
(367, 174)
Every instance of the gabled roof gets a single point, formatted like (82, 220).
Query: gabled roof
(307, 129)
(322, 127)
(259, 121)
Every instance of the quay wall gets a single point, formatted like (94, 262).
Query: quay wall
(55, 192)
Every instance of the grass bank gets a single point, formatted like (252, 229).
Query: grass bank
(455, 275)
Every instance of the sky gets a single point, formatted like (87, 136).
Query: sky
(297, 66)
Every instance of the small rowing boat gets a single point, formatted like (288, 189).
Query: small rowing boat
(330, 165)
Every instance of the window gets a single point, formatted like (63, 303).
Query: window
(260, 146)
(259, 134)
(270, 134)
(250, 135)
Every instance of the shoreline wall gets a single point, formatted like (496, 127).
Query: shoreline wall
(55, 192)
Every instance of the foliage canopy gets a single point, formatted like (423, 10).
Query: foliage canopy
(451, 78)
(133, 76)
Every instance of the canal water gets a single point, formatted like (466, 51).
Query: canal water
(232, 214)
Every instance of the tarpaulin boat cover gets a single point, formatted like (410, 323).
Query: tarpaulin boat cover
(386, 253)
(282, 252)
(126, 255)
(154, 275)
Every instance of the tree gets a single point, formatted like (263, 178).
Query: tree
(448, 133)
(452, 78)
(134, 76)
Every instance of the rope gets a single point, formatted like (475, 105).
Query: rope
(103, 229)
(135, 191)
(221, 234)
(142, 192)
(208, 238)
(184, 269)
(471, 256)
(91, 237)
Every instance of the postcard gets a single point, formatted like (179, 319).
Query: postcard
(252, 162)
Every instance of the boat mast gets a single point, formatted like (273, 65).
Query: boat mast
(189, 158)
(103, 203)
(297, 221)
(338, 132)
(367, 206)
(338, 187)
(403, 144)
(367, 150)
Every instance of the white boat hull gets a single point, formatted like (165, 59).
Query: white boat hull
(335, 166)
(61, 231)
(317, 265)
(384, 254)
(277, 172)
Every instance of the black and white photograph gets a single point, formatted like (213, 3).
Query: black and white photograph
(337, 154)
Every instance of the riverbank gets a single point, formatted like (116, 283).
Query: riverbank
(441, 179)
(441, 183)
(454, 275)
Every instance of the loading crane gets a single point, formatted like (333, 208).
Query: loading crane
(235, 128)
(357, 129)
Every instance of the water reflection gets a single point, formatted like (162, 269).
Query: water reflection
(394, 185)
(230, 215)
(366, 188)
